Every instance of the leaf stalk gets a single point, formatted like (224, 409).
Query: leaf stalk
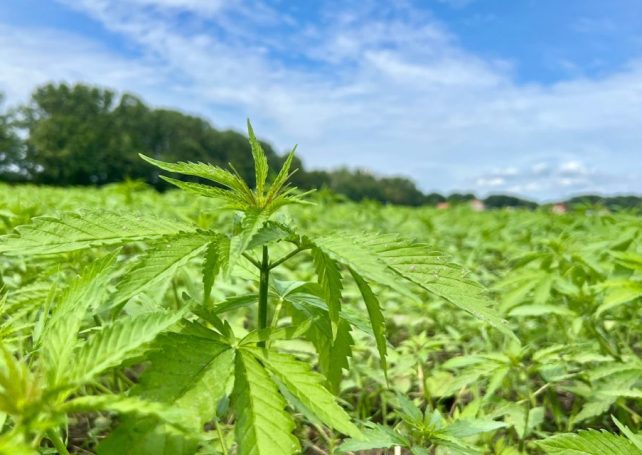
(254, 262)
(286, 257)
(60, 446)
(263, 291)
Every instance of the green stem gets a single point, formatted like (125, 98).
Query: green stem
(256, 263)
(605, 343)
(286, 257)
(220, 436)
(263, 291)
(522, 437)
(635, 415)
(276, 313)
(123, 377)
(275, 316)
(57, 442)
(177, 300)
(102, 388)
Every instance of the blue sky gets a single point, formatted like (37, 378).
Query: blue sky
(541, 98)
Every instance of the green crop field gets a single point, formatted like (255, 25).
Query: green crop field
(229, 319)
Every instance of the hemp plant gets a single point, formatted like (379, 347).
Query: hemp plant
(199, 363)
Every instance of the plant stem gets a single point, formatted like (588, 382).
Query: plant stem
(220, 436)
(604, 342)
(286, 257)
(101, 387)
(263, 291)
(634, 415)
(57, 442)
(252, 260)
(275, 316)
(276, 312)
(522, 437)
(124, 378)
(177, 300)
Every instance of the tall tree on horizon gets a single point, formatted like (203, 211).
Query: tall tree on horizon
(82, 135)
(78, 134)
(11, 148)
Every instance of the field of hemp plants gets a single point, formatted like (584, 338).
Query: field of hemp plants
(233, 317)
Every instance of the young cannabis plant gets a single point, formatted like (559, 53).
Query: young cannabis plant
(201, 362)
(422, 432)
(234, 192)
(50, 381)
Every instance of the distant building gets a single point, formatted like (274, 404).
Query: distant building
(443, 205)
(559, 209)
(477, 205)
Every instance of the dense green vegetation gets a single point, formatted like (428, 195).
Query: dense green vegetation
(223, 319)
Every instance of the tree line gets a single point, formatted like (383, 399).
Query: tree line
(85, 135)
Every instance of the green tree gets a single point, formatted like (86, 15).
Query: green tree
(498, 201)
(459, 198)
(434, 199)
(402, 191)
(88, 135)
(11, 149)
(68, 132)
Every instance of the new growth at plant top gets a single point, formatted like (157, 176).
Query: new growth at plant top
(251, 318)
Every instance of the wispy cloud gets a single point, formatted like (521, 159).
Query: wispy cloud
(203, 7)
(457, 3)
(34, 56)
(553, 179)
(592, 25)
(389, 88)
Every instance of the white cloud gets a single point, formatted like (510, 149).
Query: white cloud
(35, 56)
(204, 8)
(491, 182)
(207, 7)
(508, 171)
(554, 179)
(593, 25)
(573, 167)
(388, 88)
(540, 168)
(457, 3)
